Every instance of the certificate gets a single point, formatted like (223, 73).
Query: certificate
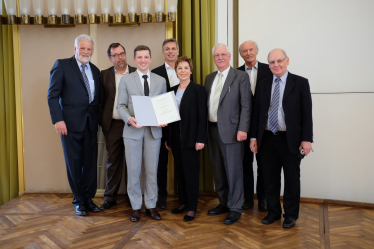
(154, 111)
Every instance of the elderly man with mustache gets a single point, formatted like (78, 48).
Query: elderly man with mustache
(257, 71)
(73, 98)
(229, 104)
(110, 121)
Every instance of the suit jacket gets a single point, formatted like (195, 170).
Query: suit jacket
(161, 71)
(130, 85)
(68, 97)
(297, 107)
(107, 96)
(193, 112)
(234, 106)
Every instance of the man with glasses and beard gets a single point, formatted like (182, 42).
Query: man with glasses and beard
(110, 121)
(73, 98)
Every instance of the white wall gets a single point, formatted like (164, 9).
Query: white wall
(330, 43)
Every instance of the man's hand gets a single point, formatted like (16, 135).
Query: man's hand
(253, 146)
(162, 125)
(199, 146)
(133, 122)
(306, 146)
(241, 136)
(166, 145)
(61, 128)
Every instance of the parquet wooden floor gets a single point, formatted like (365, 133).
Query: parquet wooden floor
(49, 221)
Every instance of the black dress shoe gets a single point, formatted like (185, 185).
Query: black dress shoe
(179, 211)
(108, 205)
(269, 220)
(81, 210)
(135, 215)
(232, 217)
(289, 222)
(161, 202)
(92, 207)
(188, 218)
(220, 209)
(247, 204)
(263, 205)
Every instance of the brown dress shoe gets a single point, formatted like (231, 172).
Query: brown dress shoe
(135, 215)
(153, 213)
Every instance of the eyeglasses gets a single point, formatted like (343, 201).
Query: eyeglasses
(272, 63)
(123, 54)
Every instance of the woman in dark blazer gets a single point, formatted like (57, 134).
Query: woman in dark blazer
(187, 137)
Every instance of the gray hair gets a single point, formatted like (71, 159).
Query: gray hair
(169, 40)
(83, 37)
(240, 50)
(219, 45)
(284, 52)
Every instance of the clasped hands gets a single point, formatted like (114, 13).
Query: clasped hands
(306, 146)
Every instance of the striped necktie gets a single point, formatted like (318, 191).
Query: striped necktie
(216, 97)
(273, 113)
(86, 83)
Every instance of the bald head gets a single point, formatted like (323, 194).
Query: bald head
(278, 62)
(248, 50)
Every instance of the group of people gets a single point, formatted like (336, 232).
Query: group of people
(257, 109)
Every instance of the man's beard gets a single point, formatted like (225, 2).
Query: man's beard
(84, 58)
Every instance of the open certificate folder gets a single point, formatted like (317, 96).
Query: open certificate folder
(154, 111)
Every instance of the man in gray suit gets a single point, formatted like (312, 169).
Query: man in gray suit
(140, 142)
(229, 103)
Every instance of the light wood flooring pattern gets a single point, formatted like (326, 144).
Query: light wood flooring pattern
(49, 221)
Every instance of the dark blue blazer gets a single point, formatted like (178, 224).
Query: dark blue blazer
(68, 97)
(297, 107)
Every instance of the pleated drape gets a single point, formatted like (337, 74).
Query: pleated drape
(9, 185)
(196, 37)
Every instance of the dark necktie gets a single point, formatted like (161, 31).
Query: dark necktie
(273, 113)
(146, 87)
(86, 83)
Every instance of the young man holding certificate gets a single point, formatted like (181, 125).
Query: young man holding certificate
(141, 142)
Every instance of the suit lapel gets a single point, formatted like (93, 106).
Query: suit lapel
(112, 78)
(226, 85)
(152, 84)
(74, 64)
(268, 85)
(165, 75)
(290, 83)
(138, 83)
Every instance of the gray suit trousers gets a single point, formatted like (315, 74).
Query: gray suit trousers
(144, 150)
(226, 161)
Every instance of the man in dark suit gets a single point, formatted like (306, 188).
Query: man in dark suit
(73, 98)
(229, 105)
(110, 121)
(282, 125)
(257, 71)
(170, 50)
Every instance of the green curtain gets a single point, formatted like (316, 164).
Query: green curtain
(196, 37)
(8, 126)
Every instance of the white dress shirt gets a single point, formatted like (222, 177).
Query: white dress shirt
(88, 72)
(252, 72)
(211, 97)
(118, 77)
(142, 79)
(173, 79)
(282, 86)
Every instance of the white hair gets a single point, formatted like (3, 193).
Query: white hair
(240, 47)
(83, 37)
(219, 45)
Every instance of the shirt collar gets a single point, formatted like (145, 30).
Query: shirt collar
(255, 66)
(126, 72)
(79, 64)
(283, 78)
(141, 74)
(167, 66)
(225, 72)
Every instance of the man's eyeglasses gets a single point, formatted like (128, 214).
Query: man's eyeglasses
(272, 63)
(115, 56)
